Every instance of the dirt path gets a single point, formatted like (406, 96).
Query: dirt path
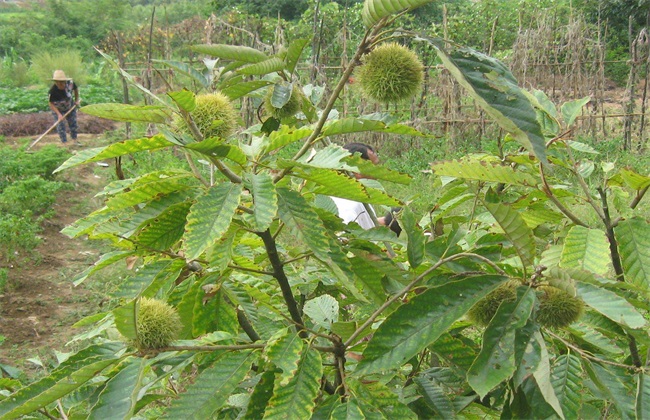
(39, 304)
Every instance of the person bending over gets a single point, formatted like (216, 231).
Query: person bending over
(63, 96)
(355, 211)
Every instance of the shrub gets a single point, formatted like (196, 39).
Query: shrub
(16, 164)
(44, 63)
(18, 233)
(34, 194)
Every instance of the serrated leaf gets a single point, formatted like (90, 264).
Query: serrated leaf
(297, 398)
(286, 135)
(216, 147)
(581, 147)
(210, 217)
(642, 406)
(323, 310)
(121, 148)
(185, 99)
(360, 125)
(187, 70)
(104, 261)
(634, 180)
(281, 94)
(633, 237)
(611, 381)
(375, 10)
(230, 52)
(567, 383)
(610, 304)
(349, 410)
(147, 191)
(303, 221)
(154, 114)
(496, 361)
(415, 238)
(435, 397)
(293, 53)
(495, 89)
(260, 397)
(483, 171)
(570, 110)
(148, 280)
(515, 229)
(542, 377)
(270, 65)
(67, 377)
(284, 349)
(586, 249)
(239, 90)
(166, 229)
(265, 200)
(376, 400)
(418, 323)
(125, 318)
(212, 387)
(120, 394)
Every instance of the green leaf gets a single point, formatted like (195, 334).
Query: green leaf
(239, 90)
(260, 397)
(515, 229)
(265, 200)
(360, 125)
(293, 53)
(154, 114)
(286, 135)
(323, 310)
(348, 410)
(120, 395)
(375, 10)
(496, 361)
(297, 398)
(634, 180)
(483, 171)
(187, 70)
(495, 89)
(633, 237)
(125, 316)
(284, 349)
(281, 94)
(643, 396)
(610, 304)
(542, 377)
(270, 65)
(612, 383)
(216, 147)
(376, 400)
(185, 99)
(570, 110)
(149, 279)
(104, 261)
(69, 376)
(210, 217)
(303, 221)
(415, 238)
(586, 249)
(435, 397)
(418, 323)
(166, 229)
(212, 387)
(230, 52)
(143, 192)
(567, 383)
(125, 147)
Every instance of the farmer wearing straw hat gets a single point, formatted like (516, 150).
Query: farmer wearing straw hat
(61, 101)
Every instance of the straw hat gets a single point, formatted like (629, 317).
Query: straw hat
(59, 76)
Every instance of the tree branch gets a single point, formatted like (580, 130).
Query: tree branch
(410, 286)
(546, 189)
(283, 281)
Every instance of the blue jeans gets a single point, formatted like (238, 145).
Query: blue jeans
(72, 124)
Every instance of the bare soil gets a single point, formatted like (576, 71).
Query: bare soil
(39, 303)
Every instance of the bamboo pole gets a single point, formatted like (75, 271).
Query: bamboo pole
(52, 127)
